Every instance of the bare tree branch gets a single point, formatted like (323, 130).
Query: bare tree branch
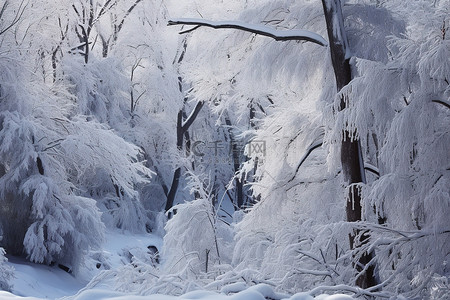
(76, 10)
(126, 15)
(103, 10)
(278, 35)
(189, 30)
(17, 17)
(4, 6)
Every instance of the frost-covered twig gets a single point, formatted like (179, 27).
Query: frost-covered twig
(279, 35)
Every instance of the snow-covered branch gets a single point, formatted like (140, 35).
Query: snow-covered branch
(189, 120)
(371, 168)
(279, 35)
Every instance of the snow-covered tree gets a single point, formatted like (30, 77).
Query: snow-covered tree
(6, 272)
(127, 97)
(400, 109)
(59, 166)
(198, 245)
(325, 251)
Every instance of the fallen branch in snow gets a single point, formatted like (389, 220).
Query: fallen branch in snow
(278, 35)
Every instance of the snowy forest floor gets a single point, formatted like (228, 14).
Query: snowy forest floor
(45, 282)
(34, 281)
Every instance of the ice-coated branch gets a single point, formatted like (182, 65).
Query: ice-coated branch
(279, 35)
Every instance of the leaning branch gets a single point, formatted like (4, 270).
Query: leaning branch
(279, 35)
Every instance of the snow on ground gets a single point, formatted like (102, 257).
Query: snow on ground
(252, 293)
(102, 294)
(45, 282)
(37, 282)
(42, 281)
(119, 245)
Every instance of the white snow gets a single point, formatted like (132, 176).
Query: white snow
(118, 243)
(74, 122)
(42, 281)
(36, 282)
(45, 282)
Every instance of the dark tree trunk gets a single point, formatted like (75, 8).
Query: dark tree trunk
(173, 189)
(105, 46)
(182, 128)
(235, 152)
(177, 173)
(86, 48)
(351, 156)
(54, 64)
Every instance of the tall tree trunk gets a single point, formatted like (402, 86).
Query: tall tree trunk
(351, 156)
